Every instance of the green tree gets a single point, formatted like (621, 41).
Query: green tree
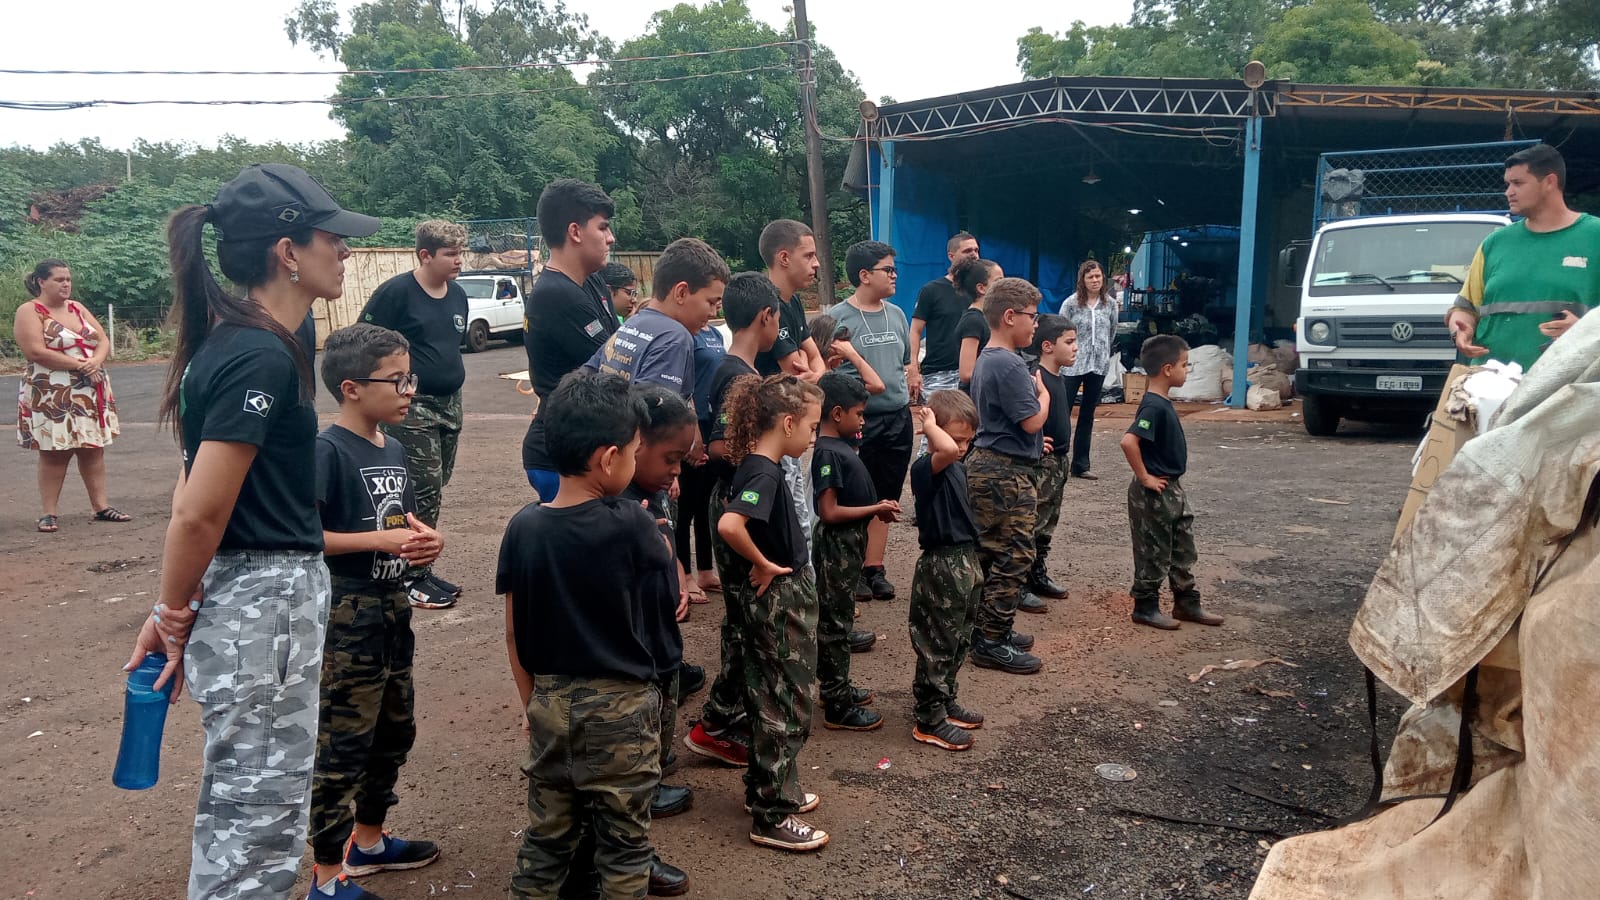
(1340, 42)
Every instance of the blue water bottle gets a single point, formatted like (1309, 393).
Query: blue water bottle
(143, 718)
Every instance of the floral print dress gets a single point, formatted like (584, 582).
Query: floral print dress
(63, 410)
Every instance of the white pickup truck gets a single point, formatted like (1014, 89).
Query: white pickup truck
(1371, 332)
(494, 310)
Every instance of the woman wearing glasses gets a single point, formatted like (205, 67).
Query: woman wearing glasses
(624, 287)
(1093, 310)
(244, 591)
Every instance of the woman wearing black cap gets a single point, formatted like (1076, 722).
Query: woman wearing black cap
(245, 540)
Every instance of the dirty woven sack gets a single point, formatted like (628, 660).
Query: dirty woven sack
(1458, 591)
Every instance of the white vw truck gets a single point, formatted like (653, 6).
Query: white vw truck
(1371, 331)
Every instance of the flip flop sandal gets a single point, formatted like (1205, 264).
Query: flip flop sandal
(47, 524)
(698, 595)
(112, 514)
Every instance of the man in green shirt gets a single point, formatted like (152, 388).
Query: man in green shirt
(1532, 280)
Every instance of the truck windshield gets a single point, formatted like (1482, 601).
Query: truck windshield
(1380, 258)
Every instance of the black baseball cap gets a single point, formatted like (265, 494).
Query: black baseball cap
(273, 200)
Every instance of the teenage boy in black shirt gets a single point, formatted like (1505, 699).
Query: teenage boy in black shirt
(845, 502)
(1055, 343)
(939, 308)
(1000, 470)
(372, 536)
(580, 644)
(430, 310)
(1158, 509)
(568, 314)
(750, 305)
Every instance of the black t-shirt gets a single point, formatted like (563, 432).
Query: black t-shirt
(306, 334)
(666, 640)
(362, 487)
(1162, 445)
(835, 464)
(944, 511)
(570, 616)
(1003, 391)
(732, 367)
(939, 304)
(564, 324)
(760, 493)
(434, 327)
(792, 333)
(1058, 422)
(972, 324)
(242, 387)
(650, 348)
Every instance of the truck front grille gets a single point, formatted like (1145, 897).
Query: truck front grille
(1381, 331)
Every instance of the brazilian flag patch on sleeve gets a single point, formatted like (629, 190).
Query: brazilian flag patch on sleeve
(827, 470)
(751, 497)
(1145, 424)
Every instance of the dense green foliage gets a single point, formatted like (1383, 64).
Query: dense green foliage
(1496, 43)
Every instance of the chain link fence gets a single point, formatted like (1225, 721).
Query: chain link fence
(1448, 178)
(504, 245)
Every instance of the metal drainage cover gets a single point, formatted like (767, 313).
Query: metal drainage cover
(1115, 772)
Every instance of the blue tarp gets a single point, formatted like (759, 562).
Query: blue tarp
(1024, 234)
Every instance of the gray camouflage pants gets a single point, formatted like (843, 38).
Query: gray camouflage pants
(254, 663)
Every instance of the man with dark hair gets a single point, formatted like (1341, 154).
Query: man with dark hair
(939, 308)
(568, 314)
(1532, 280)
(789, 250)
(430, 310)
(879, 331)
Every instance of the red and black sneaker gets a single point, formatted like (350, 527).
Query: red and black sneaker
(721, 747)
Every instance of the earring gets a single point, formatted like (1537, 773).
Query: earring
(294, 277)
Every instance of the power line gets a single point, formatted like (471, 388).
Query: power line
(63, 105)
(507, 67)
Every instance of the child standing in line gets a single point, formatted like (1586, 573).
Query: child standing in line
(750, 305)
(1055, 343)
(1158, 509)
(372, 538)
(768, 420)
(1000, 471)
(845, 502)
(581, 641)
(972, 278)
(948, 583)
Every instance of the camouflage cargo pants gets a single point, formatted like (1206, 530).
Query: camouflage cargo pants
(1163, 541)
(253, 663)
(779, 675)
(724, 706)
(593, 762)
(837, 552)
(367, 721)
(1004, 501)
(1051, 482)
(945, 592)
(429, 433)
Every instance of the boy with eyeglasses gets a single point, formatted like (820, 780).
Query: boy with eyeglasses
(880, 333)
(373, 539)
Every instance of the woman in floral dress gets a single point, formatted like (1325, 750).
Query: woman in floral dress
(1093, 310)
(64, 405)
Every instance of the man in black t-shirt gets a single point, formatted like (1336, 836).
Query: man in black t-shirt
(429, 309)
(1158, 509)
(568, 314)
(933, 325)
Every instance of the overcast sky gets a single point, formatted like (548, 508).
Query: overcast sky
(908, 49)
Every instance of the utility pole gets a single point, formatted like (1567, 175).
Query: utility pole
(819, 187)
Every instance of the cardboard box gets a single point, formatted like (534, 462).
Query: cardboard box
(1134, 386)
(1445, 437)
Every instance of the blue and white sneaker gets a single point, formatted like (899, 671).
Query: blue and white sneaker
(394, 855)
(343, 889)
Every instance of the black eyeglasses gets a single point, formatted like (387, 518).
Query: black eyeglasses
(1032, 315)
(890, 271)
(631, 292)
(403, 384)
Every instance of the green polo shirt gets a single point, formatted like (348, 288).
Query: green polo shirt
(1520, 279)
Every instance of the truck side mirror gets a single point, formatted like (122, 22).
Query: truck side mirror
(1291, 267)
